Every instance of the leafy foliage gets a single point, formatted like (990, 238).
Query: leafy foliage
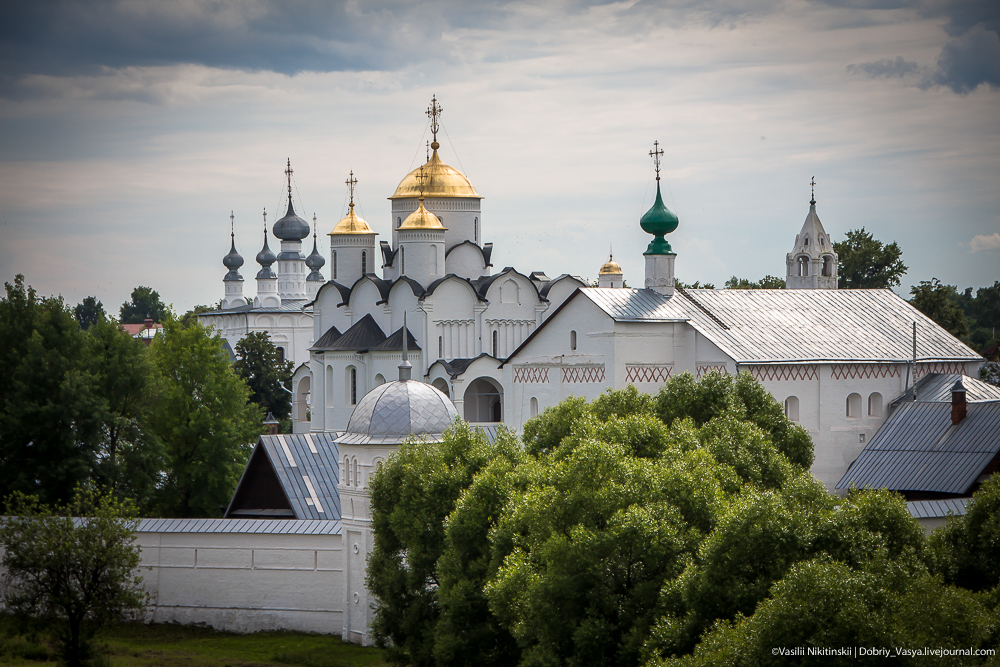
(767, 282)
(695, 285)
(203, 418)
(865, 263)
(938, 302)
(967, 549)
(191, 316)
(89, 312)
(269, 378)
(49, 428)
(145, 303)
(72, 575)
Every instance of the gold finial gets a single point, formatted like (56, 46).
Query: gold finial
(351, 182)
(433, 112)
(288, 173)
(655, 154)
(812, 184)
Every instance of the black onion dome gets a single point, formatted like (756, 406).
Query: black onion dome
(265, 257)
(291, 227)
(315, 261)
(232, 261)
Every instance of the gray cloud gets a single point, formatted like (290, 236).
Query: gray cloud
(968, 61)
(885, 68)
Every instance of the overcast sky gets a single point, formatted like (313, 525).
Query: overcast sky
(129, 130)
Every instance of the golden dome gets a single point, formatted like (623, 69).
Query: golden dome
(440, 180)
(352, 224)
(421, 219)
(610, 267)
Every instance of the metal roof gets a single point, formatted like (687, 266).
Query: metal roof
(936, 388)
(919, 449)
(307, 468)
(327, 339)
(395, 341)
(287, 306)
(935, 509)
(250, 526)
(801, 325)
(362, 335)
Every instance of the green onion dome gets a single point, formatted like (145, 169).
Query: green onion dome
(658, 220)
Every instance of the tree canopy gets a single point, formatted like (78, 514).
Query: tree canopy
(767, 282)
(89, 312)
(939, 302)
(145, 303)
(866, 263)
(268, 377)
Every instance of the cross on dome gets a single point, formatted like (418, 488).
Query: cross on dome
(812, 185)
(655, 154)
(288, 173)
(434, 112)
(351, 182)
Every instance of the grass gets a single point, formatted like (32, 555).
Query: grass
(138, 645)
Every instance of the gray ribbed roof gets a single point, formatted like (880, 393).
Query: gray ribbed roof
(291, 227)
(307, 468)
(936, 388)
(767, 326)
(919, 449)
(256, 526)
(400, 409)
(936, 509)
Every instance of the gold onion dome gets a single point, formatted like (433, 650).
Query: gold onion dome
(351, 224)
(610, 267)
(440, 180)
(421, 219)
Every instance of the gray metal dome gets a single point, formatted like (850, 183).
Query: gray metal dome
(315, 261)
(402, 408)
(291, 227)
(233, 260)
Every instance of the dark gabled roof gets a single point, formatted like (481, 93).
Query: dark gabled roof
(937, 509)
(326, 340)
(388, 254)
(486, 249)
(382, 285)
(417, 288)
(395, 341)
(345, 293)
(363, 335)
(456, 367)
(483, 284)
(919, 449)
(936, 388)
(544, 289)
(305, 469)
(434, 285)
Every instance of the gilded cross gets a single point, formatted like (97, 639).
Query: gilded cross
(351, 182)
(420, 182)
(655, 154)
(433, 112)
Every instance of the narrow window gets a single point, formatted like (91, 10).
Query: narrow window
(281, 355)
(805, 241)
(496, 344)
(364, 262)
(357, 476)
(434, 260)
(533, 410)
(792, 408)
(854, 406)
(875, 405)
(402, 262)
(345, 475)
(334, 264)
(399, 221)
(353, 389)
(440, 347)
(572, 340)
(475, 230)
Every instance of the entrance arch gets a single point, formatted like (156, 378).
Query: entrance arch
(302, 399)
(484, 401)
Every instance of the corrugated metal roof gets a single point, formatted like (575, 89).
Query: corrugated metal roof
(307, 468)
(935, 509)
(769, 326)
(919, 449)
(936, 388)
(251, 526)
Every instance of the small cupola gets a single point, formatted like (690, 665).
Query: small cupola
(659, 221)
(610, 274)
(291, 227)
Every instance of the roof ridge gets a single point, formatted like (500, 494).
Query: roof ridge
(702, 307)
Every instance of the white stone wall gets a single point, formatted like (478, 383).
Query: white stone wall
(461, 215)
(346, 255)
(245, 582)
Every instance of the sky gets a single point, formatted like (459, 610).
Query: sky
(130, 130)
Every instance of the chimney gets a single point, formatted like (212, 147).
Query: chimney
(148, 323)
(270, 425)
(958, 404)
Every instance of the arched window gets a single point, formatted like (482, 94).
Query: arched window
(875, 405)
(402, 261)
(434, 259)
(805, 241)
(803, 262)
(508, 292)
(496, 344)
(792, 408)
(345, 473)
(572, 340)
(334, 264)
(827, 266)
(364, 262)
(352, 385)
(533, 407)
(357, 476)
(822, 241)
(475, 230)
(854, 406)
(440, 347)
(379, 379)
(281, 355)
(399, 221)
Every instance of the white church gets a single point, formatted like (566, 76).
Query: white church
(440, 334)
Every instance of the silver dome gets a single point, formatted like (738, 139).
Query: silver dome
(402, 408)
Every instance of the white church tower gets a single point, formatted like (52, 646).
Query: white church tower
(291, 229)
(233, 281)
(315, 262)
(658, 221)
(352, 244)
(812, 263)
(267, 281)
(610, 274)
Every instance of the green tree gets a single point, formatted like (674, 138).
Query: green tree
(89, 312)
(74, 576)
(191, 316)
(269, 378)
(145, 303)
(987, 306)
(940, 303)
(129, 456)
(767, 282)
(695, 285)
(203, 418)
(48, 405)
(865, 263)
(967, 549)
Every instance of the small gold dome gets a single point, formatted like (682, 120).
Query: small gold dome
(440, 180)
(421, 219)
(352, 224)
(610, 267)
